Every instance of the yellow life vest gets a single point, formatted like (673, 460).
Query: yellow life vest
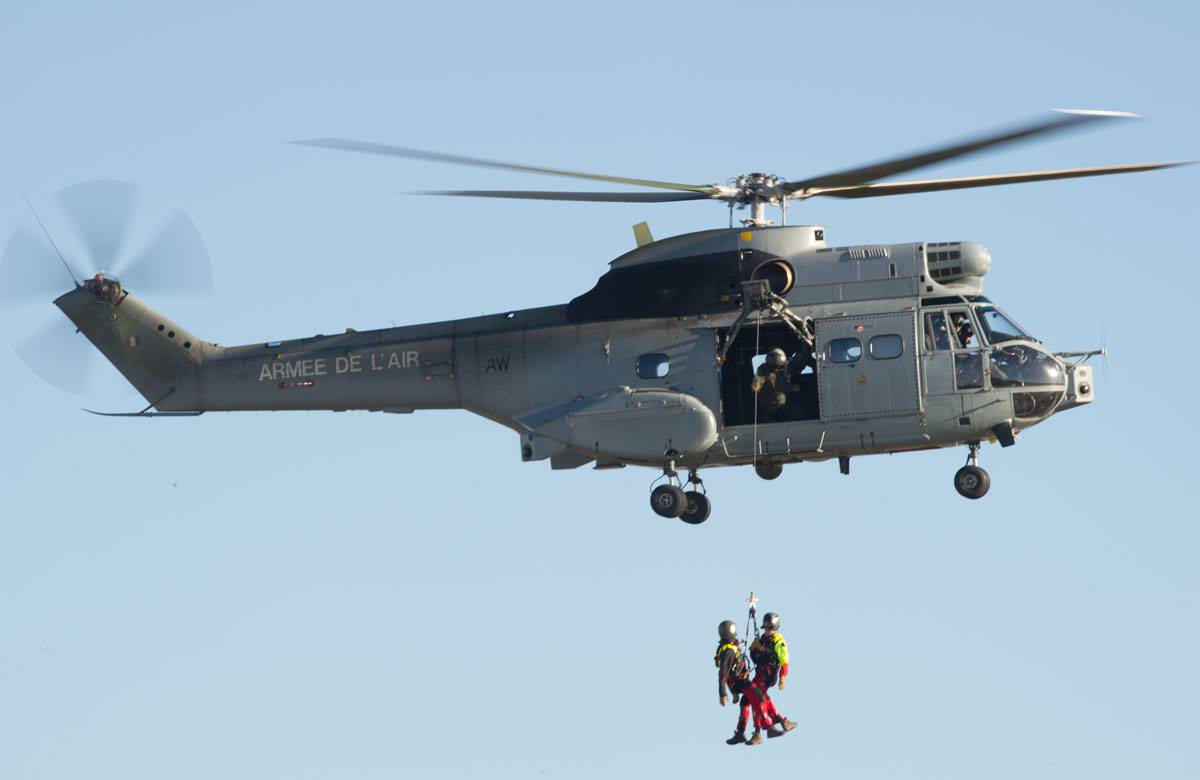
(774, 646)
(738, 669)
(737, 652)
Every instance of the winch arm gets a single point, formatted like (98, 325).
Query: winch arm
(757, 298)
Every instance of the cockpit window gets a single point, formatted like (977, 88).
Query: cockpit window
(998, 327)
(964, 332)
(937, 335)
(1019, 365)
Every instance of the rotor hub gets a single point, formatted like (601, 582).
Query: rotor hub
(105, 286)
(757, 187)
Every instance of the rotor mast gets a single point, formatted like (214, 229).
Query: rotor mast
(757, 190)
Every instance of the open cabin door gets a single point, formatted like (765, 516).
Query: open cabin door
(867, 366)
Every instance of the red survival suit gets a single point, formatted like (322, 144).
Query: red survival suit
(770, 655)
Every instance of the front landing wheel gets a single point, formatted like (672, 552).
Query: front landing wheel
(698, 508)
(972, 482)
(668, 501)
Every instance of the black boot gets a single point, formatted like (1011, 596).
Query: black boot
(738, 738)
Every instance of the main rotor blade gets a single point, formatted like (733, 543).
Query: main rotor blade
(101, 212)
(174, 261)
(613, 197)
(933, 185)
(854, 176)
(367, 147)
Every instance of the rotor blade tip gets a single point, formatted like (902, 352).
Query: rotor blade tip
(311, 142)
(1098, 112)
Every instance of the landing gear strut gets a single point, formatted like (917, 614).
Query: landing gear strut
(671, 500)
(971, 481)
(698, 507)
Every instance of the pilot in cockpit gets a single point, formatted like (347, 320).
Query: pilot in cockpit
(962, 328)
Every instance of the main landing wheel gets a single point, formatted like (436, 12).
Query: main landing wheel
(972, 482)
(668, 501)
(768, 469)
(697, 509)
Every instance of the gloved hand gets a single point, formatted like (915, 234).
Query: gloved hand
(782, 684)
(724, 700)
(735, 698)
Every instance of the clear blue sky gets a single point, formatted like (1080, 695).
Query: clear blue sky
(354, 595)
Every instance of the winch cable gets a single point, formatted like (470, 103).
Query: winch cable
(757, 347)
(754, 531)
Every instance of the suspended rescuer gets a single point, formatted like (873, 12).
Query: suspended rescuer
(770, 655)
(733, 678)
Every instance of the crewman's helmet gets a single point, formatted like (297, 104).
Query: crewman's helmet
(771, 621)
(727, 631)
(776, 358)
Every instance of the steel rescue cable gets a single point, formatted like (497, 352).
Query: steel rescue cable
(754, 535)
(752, 601)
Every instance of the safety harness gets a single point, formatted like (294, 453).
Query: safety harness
(769, 654)
(738, 670)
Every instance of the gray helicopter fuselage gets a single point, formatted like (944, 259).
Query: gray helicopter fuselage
(647, 368)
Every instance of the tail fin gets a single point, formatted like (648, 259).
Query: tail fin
(158, 357)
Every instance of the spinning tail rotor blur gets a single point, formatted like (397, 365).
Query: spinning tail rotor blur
(94, 229)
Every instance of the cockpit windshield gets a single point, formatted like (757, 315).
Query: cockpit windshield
(997, 327)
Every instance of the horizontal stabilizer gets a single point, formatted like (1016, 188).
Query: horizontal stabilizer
(143, 413)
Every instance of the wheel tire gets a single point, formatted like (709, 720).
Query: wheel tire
(972, 482)
(698, 508)
(768, 469)
(668, 501)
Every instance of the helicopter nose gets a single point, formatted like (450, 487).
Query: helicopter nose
(1081, 387)
(1037, 379)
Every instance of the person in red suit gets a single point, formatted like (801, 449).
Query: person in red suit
(770, 655)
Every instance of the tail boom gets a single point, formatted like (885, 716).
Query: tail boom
(176, 371)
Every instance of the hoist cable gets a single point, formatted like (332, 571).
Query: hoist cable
(757, 392)
(754, 530)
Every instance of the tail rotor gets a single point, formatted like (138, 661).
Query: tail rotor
(100, 228)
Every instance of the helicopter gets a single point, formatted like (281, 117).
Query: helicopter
(886, 348)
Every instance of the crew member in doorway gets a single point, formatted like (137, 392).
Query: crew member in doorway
(770, 655)
(733, 679)
(770, 382)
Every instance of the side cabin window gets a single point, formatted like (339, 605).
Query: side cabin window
(656, 365)
(886, 347)
(845, 350)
